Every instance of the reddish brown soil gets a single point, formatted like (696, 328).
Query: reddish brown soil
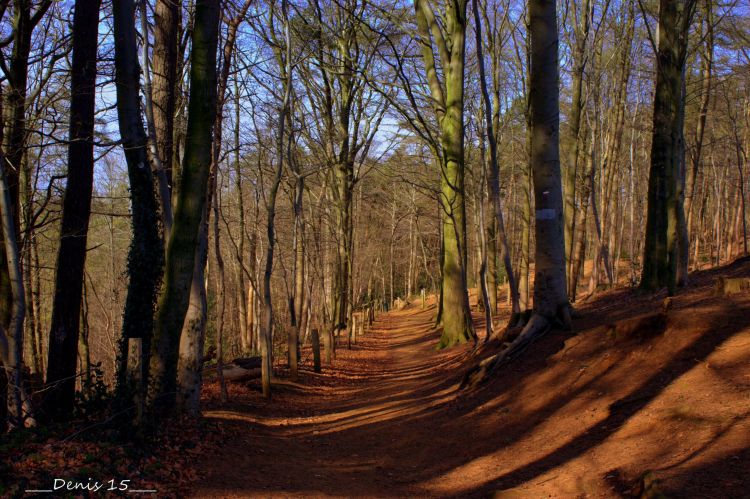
(581, 414)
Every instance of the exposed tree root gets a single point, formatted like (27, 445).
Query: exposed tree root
(512, 328)
(516, 340)
(537, 327)
(649, 487)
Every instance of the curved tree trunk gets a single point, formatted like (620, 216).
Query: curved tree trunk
(193, 337)
(189, 210)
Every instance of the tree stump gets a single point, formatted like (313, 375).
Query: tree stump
(316, 350)
(726, 286)
(353, 331)
(637, 328)
(293, 352)
(328, 345)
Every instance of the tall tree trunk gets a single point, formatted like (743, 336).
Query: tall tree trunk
(11, 332)
(85, 354)
(71, 256)
(664, 203)
(11, 338)
(286, 69)
(222, 297)
(492, 258)
(550, 291)
(193, 336)
(524, 286)
(244, 311)
(14, 140)
(167, 20)
(700, 127)
(580, 59)
(145, 256)
(190, 207)
(482, 234)
(494, 174)
(36, 286)
(448, 101)
(682, 252)
(31, 309)
(299, 275)
(192, 339)
(164, 189)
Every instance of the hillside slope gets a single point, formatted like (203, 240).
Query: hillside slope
(586, 413)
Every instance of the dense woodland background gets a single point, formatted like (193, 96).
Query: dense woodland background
(291, 164)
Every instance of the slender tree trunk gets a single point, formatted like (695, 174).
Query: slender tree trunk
(494, 175)
(192, 339)
(85, 354)
(580, 58)
(31, 309)
(145, 257)
(682, 252)
(11, 339)
(71, 256)
(481, 232)
(166, 25)
(244, 312)
(193, 336)
(524, 287)
(36, 303)
(164, 188)
(700, 128)
(299, 275)
(267, 319)
(23, 23)
(11, 332)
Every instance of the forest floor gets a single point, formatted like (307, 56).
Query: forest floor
(585, 413)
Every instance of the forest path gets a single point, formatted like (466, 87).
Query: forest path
(582, 415)
(357, 429)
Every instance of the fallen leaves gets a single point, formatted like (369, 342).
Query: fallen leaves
(165, 462)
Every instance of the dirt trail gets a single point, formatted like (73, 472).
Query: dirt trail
(343, 432)
(583, 415)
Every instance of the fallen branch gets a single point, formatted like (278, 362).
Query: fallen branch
(236, 373)
(241, 369)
